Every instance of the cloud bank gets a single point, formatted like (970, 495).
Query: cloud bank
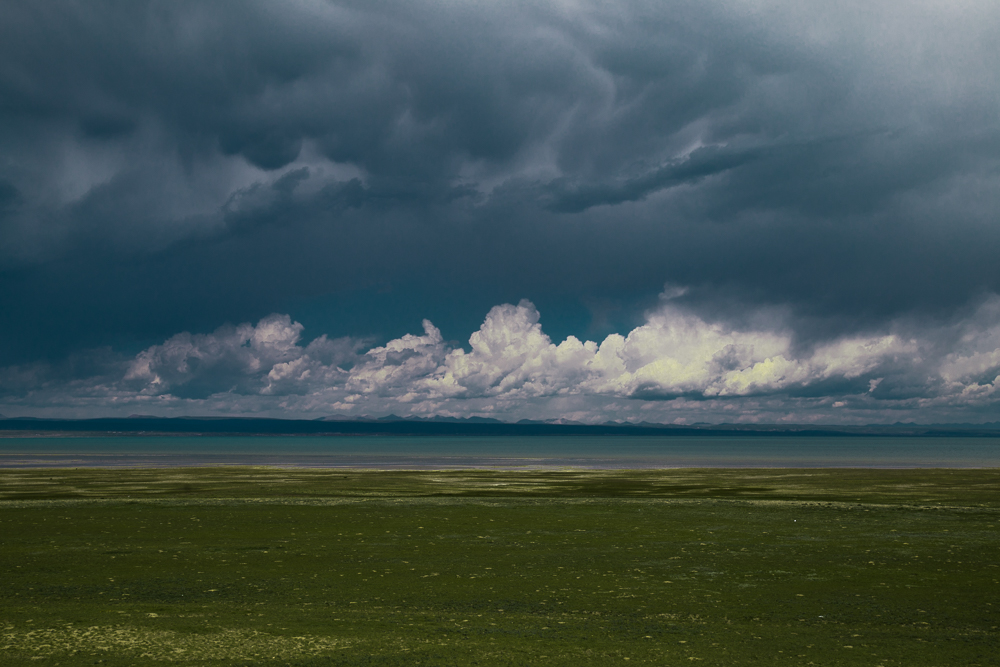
(677, 367)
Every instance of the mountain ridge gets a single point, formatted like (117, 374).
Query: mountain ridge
(468, 426)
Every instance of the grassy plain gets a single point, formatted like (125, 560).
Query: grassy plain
(230, 566)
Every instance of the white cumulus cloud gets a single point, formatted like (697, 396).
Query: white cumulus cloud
(245, 359)
(674, 354)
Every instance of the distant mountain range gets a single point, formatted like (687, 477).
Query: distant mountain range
(470, 426)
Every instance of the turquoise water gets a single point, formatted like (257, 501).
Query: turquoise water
(495, 451)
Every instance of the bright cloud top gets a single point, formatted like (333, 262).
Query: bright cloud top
(674, 354)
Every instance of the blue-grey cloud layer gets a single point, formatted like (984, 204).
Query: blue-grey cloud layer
(174, 166)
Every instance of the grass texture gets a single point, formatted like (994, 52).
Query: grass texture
(244, 566)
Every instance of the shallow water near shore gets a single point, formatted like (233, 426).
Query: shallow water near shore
(414, 452)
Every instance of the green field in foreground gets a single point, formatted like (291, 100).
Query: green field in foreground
(230, 566)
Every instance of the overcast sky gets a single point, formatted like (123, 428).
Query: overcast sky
(668, 211)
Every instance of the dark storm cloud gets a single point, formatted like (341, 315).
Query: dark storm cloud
(701, 163)
(172, 166)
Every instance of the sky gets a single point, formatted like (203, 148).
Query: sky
(666, 211)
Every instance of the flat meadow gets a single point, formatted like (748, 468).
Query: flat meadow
(269, 566)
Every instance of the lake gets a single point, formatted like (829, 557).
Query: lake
(416, 452)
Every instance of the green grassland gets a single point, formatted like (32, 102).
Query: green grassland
(234, 566)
